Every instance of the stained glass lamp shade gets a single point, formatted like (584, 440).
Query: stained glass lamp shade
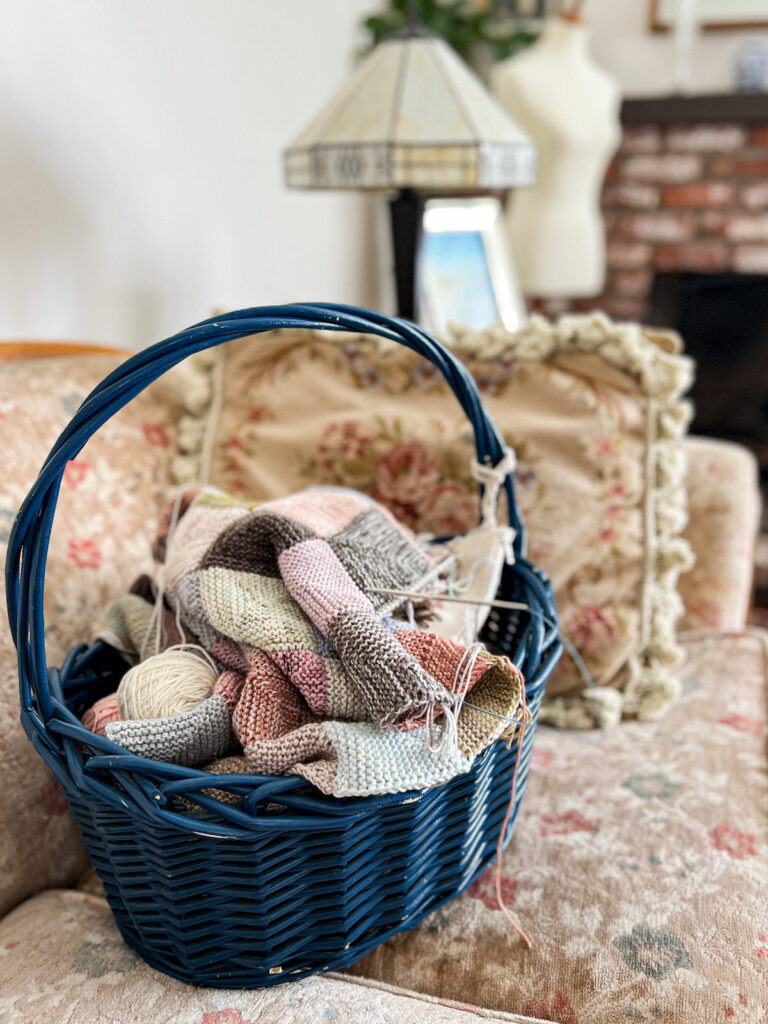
(412, 116)
(415, 119)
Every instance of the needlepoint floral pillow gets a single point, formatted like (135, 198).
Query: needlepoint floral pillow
(594, 412)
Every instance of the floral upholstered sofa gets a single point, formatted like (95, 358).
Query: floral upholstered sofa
(639, 866)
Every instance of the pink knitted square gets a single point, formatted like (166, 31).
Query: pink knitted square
(323, 511)
(229, 686)
(440, 656)
(269, 705)
(306, 670)
(320, 583)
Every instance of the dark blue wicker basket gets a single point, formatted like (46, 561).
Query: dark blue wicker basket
(288, 881)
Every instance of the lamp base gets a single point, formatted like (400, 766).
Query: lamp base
(406, 211)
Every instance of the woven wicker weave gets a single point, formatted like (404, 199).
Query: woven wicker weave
(285, 882)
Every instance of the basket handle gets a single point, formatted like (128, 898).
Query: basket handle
(28, 544)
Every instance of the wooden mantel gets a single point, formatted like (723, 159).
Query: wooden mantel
(742, 107)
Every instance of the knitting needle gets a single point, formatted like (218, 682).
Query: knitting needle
(511, 605)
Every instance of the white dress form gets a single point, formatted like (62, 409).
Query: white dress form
(570, 108)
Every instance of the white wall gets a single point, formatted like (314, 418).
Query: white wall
(140, 163)
(140, 142)
(643, 60)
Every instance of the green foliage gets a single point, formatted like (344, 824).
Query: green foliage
(464, 27)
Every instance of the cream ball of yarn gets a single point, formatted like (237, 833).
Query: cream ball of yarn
(166, 684)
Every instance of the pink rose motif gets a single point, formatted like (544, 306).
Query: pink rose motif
(406, 474)
(448, 510)
(707, 613)
(733, 841)
(484, 889)
(750, 726)
(564, 824)
(507, 363)
(717, 468)
(84, 553)
(7, 407)
(592, 628)
(155, 434)
(540, 552)
(257, 414)
(541, 759)
(604, 447)
(223, 1017)
(557, 1009)
(53, 799)
(343, 441)
(75, 472)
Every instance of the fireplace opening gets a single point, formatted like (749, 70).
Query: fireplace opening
(723, 319)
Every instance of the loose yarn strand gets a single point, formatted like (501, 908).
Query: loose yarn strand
(462, 679)
(156, 619)
(175, 515)
(463, 676)
(510, 806)
(491, 479)
(569, 645)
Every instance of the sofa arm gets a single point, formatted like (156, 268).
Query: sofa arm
(106, 514)
(63, 958)
(723, 518)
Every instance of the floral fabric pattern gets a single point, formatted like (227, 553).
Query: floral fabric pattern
(655, 953)
(638, 867)
(62, 959)
(383, 421)
(108, 503)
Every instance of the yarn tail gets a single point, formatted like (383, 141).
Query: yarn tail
(499, 846)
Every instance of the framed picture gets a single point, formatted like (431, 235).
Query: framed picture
(713, 14)
(465, 275)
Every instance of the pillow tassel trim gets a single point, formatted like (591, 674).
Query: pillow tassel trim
(202, 399)
(663, 375)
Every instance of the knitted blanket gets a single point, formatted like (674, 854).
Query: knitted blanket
(317, 677)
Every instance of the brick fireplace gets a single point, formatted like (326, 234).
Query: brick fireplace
(684, 196)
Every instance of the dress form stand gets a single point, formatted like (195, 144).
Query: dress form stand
(570, 109)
